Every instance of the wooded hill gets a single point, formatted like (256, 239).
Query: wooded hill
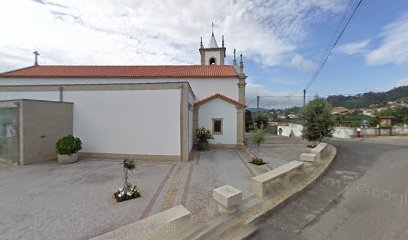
(364, 100)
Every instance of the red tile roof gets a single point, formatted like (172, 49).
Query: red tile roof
(219, 95)
(185, 71)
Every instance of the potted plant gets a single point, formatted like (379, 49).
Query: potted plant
(128, 191)
(68, 148)
(203, 135)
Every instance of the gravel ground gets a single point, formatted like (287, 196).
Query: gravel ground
(73, 201)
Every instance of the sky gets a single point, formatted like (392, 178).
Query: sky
(282, 42)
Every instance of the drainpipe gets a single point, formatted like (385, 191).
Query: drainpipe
(61, 96)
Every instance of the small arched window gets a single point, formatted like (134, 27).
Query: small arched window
(212, 61)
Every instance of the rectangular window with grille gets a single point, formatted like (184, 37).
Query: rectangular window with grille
(217, 126)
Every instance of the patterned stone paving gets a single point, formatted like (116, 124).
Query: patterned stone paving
(51, 201)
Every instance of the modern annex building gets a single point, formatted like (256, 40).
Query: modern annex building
(145, 112)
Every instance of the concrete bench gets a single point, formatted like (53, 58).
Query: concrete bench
(320, 150)
(308, 157)
(259, 184)
(228, 198)
(160, 222)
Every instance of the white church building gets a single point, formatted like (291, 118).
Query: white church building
(144, 112)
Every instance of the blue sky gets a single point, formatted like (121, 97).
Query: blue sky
(282, 41)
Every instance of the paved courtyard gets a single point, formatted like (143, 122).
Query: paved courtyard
(75, 201)
(277, 150)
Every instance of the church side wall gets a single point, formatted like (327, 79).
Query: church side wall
(202, 87)
(121, 121)
(220, 109)
(127, 122)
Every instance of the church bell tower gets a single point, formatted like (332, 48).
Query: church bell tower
(213, 54)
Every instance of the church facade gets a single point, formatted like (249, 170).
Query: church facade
(145, 112)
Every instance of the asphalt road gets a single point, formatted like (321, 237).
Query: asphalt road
(364, 195)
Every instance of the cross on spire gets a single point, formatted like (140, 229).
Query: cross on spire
(234, 61)
(36, 54)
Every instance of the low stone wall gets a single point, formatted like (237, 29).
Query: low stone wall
(295, 129)
(344, 132)
(160, 223)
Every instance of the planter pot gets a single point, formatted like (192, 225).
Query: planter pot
(62, 158)
(203, 146)
(125, 197)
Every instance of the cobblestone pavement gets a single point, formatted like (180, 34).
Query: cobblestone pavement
(75, 201)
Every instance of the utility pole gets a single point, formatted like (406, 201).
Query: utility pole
(257, 105)
(304, 97)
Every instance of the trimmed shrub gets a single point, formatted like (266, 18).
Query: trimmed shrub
(68, 145)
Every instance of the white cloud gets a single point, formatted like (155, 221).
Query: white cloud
(353, 47)
(302, 63)
(402, 82)
(270, 99)
(152, 31)
(394, 46)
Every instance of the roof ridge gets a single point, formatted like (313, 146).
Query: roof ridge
(124, 71)
(74, 65)
(219, 95)
(18, 69)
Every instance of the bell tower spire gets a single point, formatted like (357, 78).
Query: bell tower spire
(213, 54)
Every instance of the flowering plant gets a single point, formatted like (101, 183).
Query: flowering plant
(204, 134)
(129, 191)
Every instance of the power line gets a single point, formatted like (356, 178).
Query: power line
(316, 74)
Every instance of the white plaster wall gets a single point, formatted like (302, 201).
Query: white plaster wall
(286, 129)
(400, 131)
(344, 132)
(134, 122)
(218, 108)
(210, 54)
(202, 87)
(190, 129)
(191, 101)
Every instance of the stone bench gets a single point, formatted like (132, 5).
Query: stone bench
(308, 158)
(160, 222)
(260, 184)
(320, 151)
(228, 198)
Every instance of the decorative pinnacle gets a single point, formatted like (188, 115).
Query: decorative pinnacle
(241, 62)
(222, 40)
(201, 42)
(234, 61)
(212, 29)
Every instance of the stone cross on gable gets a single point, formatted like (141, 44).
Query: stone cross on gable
(36, 54)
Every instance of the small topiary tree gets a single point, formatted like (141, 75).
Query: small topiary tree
(258, 137)
(318, 123)
(129, 191)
